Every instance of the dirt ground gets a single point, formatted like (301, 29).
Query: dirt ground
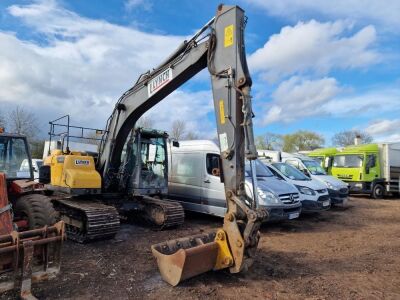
(344, 253)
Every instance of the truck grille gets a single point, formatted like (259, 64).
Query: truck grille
(289, 198)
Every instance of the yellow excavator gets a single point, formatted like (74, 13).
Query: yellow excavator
(116, 178)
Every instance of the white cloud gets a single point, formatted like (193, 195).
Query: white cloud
(298, 98)
(384, 130)
(147, 5)
(314, 47)
(369, 104)
(383, 13)
(81, 66)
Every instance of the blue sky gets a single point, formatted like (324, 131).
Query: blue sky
(316, 65)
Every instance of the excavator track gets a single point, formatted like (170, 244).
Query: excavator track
(88, 220)
(163, 214)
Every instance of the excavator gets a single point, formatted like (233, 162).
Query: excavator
(97, 187)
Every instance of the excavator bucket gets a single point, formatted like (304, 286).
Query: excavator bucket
(184, 258)
(30, 256)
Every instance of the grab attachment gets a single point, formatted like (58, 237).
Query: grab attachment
(30, 256)
(187, 257)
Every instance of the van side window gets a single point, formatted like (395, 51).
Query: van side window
(212, 163)
(187, 165)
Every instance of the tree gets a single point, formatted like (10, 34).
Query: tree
(302, 140)
(347, 137)
(191, 136)
(145, 121)
(37, 148)
(23, 122)
(178, 129)
(269, 141)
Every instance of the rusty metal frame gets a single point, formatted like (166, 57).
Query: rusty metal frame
(22, 247)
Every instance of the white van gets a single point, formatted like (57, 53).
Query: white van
(192, 183)
(338, 190)
(313, 193)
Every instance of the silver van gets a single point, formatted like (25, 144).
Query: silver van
(192, 183)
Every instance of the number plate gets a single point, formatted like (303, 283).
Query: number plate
(325, 203)
(294, 216)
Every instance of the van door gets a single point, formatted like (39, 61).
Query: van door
(186, 177)
(213, 192)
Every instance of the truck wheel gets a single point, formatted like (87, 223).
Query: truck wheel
(378, 192)
(36, 209)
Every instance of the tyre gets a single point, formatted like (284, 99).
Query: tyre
(36, 209)
(378, 192)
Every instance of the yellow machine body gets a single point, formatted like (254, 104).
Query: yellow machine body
(73, 171)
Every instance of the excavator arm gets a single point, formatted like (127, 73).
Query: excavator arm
(218, 46)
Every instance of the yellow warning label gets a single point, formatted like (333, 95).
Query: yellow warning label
(228, 41)
(221, 111)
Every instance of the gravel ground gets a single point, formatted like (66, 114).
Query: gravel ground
(344, 253)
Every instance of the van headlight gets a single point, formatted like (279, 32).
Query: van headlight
(330, 185)
(305, 190)
(268, 197)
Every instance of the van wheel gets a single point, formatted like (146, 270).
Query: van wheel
(36, 210)
(378, 191)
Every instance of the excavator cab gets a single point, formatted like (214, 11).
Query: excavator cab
(144, 161)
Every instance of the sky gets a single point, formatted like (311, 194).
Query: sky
(325, 66)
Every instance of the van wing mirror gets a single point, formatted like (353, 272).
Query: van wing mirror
(175, 144)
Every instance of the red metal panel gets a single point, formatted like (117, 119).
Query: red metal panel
(6, 225)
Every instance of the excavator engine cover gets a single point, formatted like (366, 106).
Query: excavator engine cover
(73, 173)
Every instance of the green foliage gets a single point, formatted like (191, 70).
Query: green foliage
(302, 140)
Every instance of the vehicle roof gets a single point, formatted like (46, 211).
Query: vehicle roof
(199, 145)
(323, 151)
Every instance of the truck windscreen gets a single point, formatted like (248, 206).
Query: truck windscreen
(14, 157)
(348, 161)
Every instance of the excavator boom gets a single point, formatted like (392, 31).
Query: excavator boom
(219, 47)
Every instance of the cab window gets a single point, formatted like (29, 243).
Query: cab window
(212, 164)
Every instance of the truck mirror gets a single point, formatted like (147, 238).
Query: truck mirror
(175, 144)
(326, 162)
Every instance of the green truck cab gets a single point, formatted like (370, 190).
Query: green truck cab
(371, 168)
(325, 157)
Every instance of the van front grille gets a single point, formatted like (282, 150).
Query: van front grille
(289, 198)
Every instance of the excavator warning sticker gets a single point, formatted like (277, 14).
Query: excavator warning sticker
(221, 111)
(228, 40)
(82, 162)
(158, 82)
(223, 142)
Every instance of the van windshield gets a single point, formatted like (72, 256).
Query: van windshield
(348, 161)
(290, 172)
(314, 167)
(261, 170)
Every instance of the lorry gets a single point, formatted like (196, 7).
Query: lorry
(193, 180)
(338, 190)
(324, 156)
(369, 169)
(314, 195)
